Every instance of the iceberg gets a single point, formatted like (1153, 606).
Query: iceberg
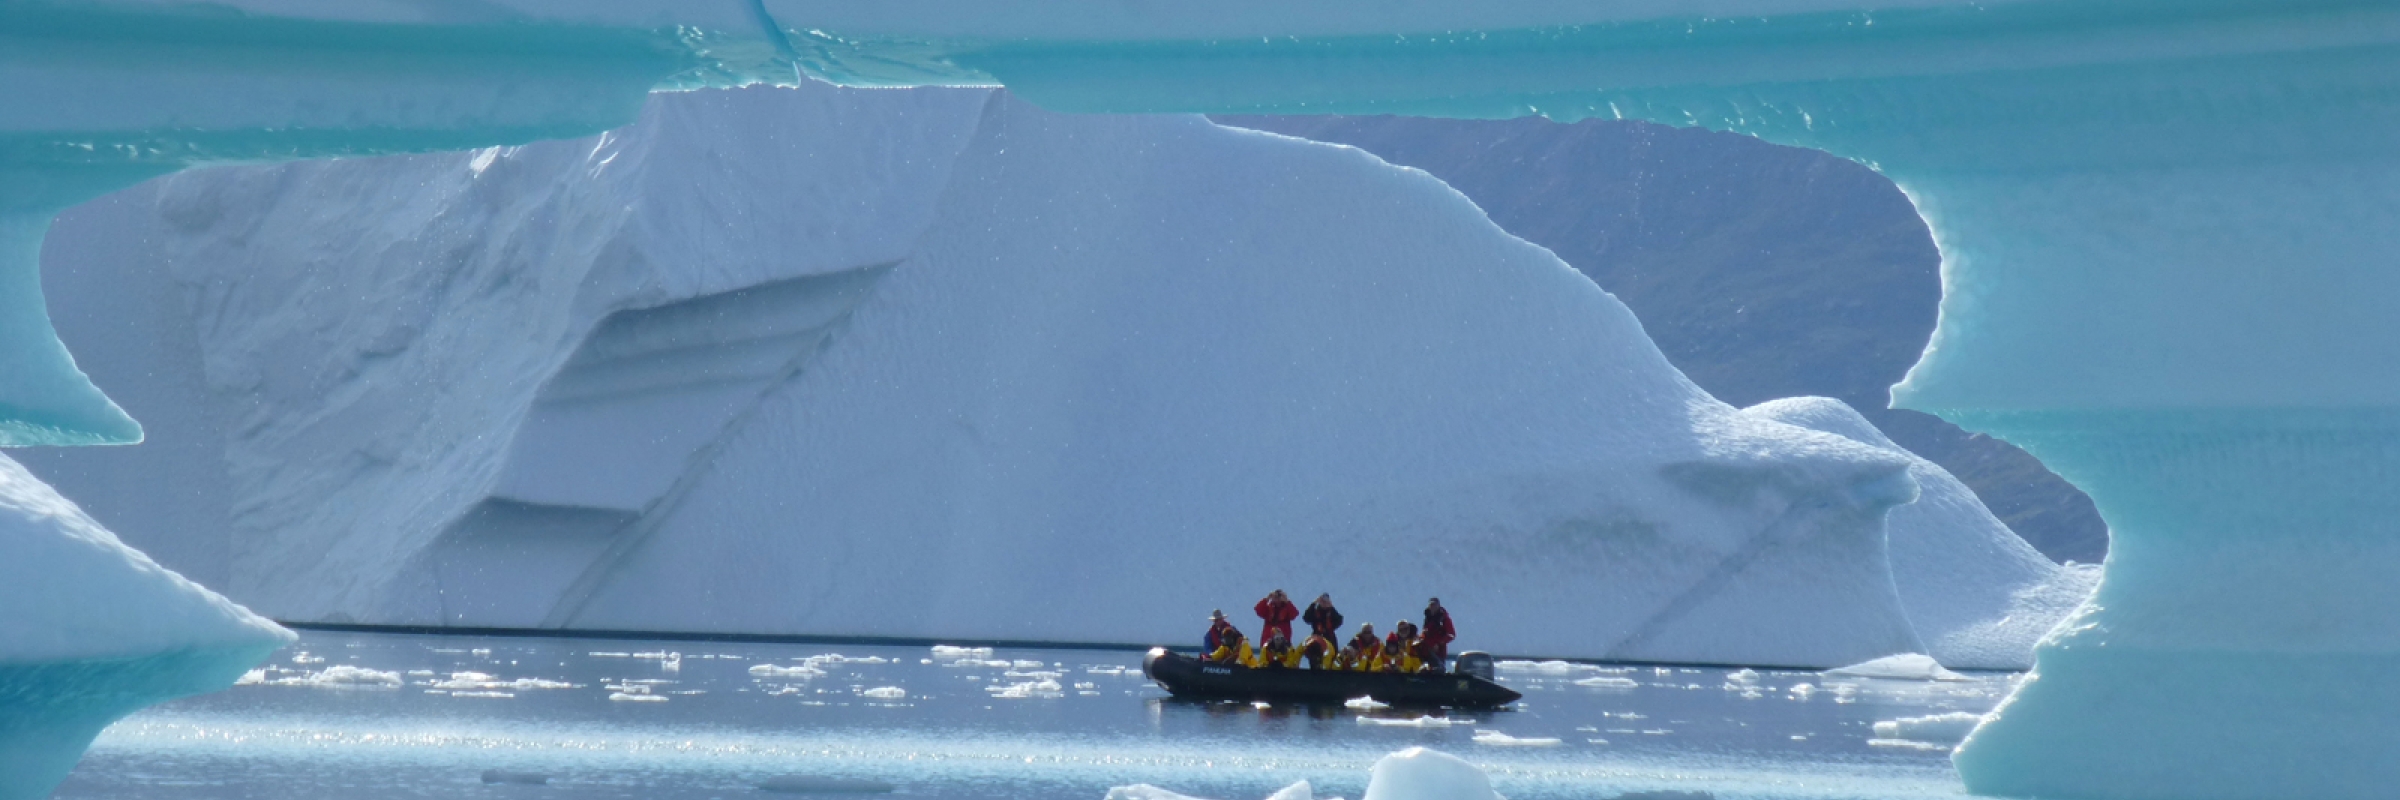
(996, 350)
(1976, 594)
(96, 631)
(2165, 228)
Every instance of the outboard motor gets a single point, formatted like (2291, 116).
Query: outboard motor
(1476, 663)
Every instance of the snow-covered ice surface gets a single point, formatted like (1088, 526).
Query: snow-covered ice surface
(94, 630)
(724, 732)
(1975, 591)
(451, 392)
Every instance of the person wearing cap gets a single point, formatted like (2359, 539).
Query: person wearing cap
(1437, 635)
(1231, 649)
(1217, 626)
(1365, 651)
(1279, 612)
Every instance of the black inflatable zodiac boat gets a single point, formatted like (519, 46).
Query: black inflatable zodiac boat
(1470, 686)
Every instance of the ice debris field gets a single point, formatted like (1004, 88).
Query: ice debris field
(392, 716)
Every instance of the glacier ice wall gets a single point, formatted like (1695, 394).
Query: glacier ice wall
(692, 376)
(94, 631)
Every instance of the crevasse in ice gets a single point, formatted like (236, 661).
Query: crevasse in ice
(2167, 230)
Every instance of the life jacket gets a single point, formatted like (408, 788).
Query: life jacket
(1232, 653)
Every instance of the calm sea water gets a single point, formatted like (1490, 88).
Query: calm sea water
(371, 716)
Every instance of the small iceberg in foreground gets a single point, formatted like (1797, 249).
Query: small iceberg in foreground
(1905, 667)
(95, 631)
(1412, 774)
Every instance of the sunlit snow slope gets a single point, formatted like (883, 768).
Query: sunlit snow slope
(914, 362)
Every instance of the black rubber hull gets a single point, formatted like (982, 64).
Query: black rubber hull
(1185, 676)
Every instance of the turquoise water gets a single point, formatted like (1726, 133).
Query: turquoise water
(1008, 724)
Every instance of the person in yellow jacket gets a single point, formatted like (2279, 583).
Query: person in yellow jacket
(1278, 654)
(1232, 648)
(1365, 650)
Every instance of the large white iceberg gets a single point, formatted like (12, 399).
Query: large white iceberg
(94, 631)
(688, 376)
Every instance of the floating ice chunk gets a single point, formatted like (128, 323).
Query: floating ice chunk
(1542, 667)
(1025, 689)
(1498, 739)
(1420, 722)
(636, 697)
(610, 655)
(497, 695)
(303, 657)
(1744, 675)
(477, 681)
(342, 676)
(1366, 704)
(947, 652)
(1608, 682)
(1028, 665)
(1144, 791)
(1906, 666)
(1945, 729)
(251, 678)
(886, 693)
(774, 671)
(1421, 774)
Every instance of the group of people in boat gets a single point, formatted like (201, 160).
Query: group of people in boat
(1408, 648)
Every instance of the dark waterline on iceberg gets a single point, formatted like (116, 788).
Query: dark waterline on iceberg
(369, 716)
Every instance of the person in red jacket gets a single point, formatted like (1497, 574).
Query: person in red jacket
(1279, 612)
(1437, 635)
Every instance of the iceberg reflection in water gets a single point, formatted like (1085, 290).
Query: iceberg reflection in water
(365, 716)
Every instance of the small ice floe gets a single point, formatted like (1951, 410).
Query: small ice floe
(1498, 739)
(886, 693)
(949, 653)
(1906, 666)
(610, 655)
(1027, 664)
(1935, 732)
(252, 678)
(631, 692)
(340, 676)
(1043, 674)
(1666, 794)
(775, 671)
(491, 695)
(811, 784)
(1542, 667)
(1421, 774)
(1026, 689)
(1081, 686)
(1118, 671)
(1420, 722)
(1743, 676)
(477, 681)
(1608, 682)
(420, 673)
(1144, 791)
(1366, 704)
(1261, 705)
(513, 777)
(481, 652)
(303, 657)
(1802, 691)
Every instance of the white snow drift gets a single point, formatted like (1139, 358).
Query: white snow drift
(936, 363)
(94, 631)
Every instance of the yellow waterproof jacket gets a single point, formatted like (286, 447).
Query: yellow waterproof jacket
(1232, 653)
